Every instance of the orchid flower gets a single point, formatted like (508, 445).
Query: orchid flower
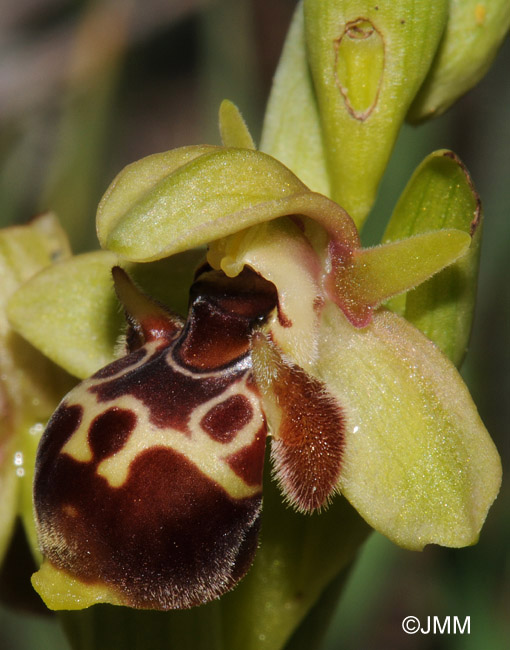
(149, 477)
(255, 318)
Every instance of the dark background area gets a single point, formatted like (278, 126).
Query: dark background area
(86, 88)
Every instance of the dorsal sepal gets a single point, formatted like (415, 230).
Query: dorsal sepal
(147, 319)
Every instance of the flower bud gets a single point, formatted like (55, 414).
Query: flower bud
(473, 35)
(366, 66)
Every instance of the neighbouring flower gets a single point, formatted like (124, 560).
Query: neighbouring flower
(30, 385)
(149, 476)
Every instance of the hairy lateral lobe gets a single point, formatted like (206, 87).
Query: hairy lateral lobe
(307, 427)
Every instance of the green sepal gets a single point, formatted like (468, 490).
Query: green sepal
(70, 312)
(132, 185)
(473, 35)
(440, 195)
(418, 464)
(292, 130)
(233, 129)
(215, 195)
(359, 58)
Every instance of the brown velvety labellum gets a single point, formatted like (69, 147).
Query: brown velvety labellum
(121, 497)
(168, 538)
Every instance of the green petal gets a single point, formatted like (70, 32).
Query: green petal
(215, 195)
(70, 312)
(389, 269)
(439, 195)
(473, 35)
(233, 129)
(292, 130)
(419, 465)
(375, 274)
(367, 61)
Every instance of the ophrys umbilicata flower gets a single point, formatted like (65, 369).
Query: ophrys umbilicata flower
(161, 453)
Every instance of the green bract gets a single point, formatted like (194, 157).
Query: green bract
(292, 129)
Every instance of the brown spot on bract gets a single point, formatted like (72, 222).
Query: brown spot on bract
(248, 462)
(168, 538)
(225, 419)
(110, 431)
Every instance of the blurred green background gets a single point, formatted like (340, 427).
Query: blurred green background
(86, 87)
